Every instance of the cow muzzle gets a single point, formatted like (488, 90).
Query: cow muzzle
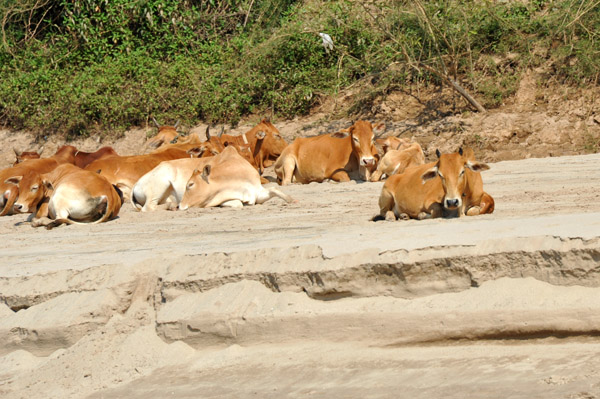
(452, 203)
(367, 161)
(18, 208)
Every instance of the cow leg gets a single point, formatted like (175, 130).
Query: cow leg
(268, 193)
(473, 211)
(286, 171)
(232, 204)
(390, 216)
(376, 176)
(340, 176)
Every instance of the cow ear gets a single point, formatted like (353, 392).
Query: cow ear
(477, 166)
(378, 129)
(430, 174)
(340, 135)
(196, 151)
(176, 124)
(48, 185)
(260, 134)
(13, 180)
(460, 151)
(222, 130)
(208, 132)
(206, 172)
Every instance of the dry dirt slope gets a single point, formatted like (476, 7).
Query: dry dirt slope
(312, 299)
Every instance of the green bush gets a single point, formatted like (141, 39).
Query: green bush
(81, 65)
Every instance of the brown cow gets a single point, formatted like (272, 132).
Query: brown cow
(10, 191)
(452, 185)
(227, 180)
(396, 161)
(72, 195)
(335, 156)
(21, 156)
(166, 134)
(265, 143)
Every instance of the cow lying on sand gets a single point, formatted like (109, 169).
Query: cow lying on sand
(71, 195)
(451, 185)
(396, 161)
(227, 180)
(338, 156)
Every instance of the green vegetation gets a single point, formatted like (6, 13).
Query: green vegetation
(75, 66)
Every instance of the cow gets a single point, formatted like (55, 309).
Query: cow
(71, 195)
(10, 191)
(21, 156)
(83, 159)
(165, 184)
(227, 180)
(166, 134)
(266, 144)
(124, 171)
(396, 161)
(338, 156)
(450, 186)
(392, 143)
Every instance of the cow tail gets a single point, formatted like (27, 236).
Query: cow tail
(134, 201)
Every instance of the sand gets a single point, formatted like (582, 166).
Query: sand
(312, 299)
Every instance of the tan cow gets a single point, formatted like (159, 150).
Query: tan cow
(396, 161)
(124, 171)
(452, 185)
(165, 184)
(392, 143)
(227, 180)
(339, 156)
(72, 195)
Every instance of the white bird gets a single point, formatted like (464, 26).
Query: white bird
(327, 42)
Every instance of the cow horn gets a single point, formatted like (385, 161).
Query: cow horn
(245, 138)
(155, 122)
(222, 130)
(437, 152)
(460, 151)
(208, 132)
(10, 201)
(176, 124)
(17, 152)
(41, 150)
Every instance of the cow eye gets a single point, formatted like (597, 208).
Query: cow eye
(462, 172)
(356, 140)
(34, 188)
(190, 184)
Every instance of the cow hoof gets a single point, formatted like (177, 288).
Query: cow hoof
(404, 216)
(390, 216)
(423, 215)
(474, 211)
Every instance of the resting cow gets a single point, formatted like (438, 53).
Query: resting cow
(124, 171)
(21, 156)
(166, 134)
(71, 195)
(338, 156)
(392, 143)
(452, 185)
(10, 192)
(396, 161)
(165, 184)
(227, 180)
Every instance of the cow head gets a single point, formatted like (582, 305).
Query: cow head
(25, 155)
(65, 154)
(451, 170)
(194, 188)
(31, 191)
(363, 142)
(272, 143)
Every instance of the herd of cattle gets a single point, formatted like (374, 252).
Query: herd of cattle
(223, 170)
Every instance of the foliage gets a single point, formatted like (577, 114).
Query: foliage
(79, 65)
